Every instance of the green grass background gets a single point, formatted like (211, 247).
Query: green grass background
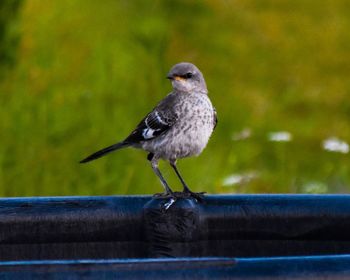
(87, 71)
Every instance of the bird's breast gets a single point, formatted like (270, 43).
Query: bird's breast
(190, 134)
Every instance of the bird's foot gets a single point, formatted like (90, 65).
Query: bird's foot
(186, 193)
(164, 195)
(199, 196)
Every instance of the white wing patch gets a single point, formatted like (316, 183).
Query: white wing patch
(148, 133)
(159, 119)
(150, 127)
(153, 123)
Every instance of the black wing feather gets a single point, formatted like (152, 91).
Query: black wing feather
(153, 125)
(158, 121)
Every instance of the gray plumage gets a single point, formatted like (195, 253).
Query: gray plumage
(179, 126)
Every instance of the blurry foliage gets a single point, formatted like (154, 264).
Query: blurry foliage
(87, 71)
(9, 36)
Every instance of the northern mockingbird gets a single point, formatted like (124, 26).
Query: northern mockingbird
(178, 127)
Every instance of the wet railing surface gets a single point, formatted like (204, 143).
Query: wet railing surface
(234, 236)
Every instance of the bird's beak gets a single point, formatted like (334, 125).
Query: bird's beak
(174, 77)
(178, 78)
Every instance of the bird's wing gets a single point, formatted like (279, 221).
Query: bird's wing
(215, 118)
(155, 123)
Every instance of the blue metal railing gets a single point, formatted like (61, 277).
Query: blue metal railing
(240, 234)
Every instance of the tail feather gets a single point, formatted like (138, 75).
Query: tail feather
(105, 151)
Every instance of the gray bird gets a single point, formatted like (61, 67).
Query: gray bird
(178, 127)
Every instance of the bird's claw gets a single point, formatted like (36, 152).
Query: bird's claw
(164, 195)
(197, 196)
(179, 195)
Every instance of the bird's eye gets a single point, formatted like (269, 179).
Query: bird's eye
(188, 75)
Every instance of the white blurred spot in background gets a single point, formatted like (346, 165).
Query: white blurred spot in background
(314, 187)
(333, 144)
(237, 179)
(280, 136)
(242, 135)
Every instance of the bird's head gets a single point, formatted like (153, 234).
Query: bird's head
(186, 77)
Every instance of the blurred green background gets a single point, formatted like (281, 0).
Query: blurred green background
(78, 75)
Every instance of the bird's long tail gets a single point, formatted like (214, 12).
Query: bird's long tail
(105, 151)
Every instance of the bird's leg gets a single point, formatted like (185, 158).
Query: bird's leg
(186, 190)
(168, 191)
